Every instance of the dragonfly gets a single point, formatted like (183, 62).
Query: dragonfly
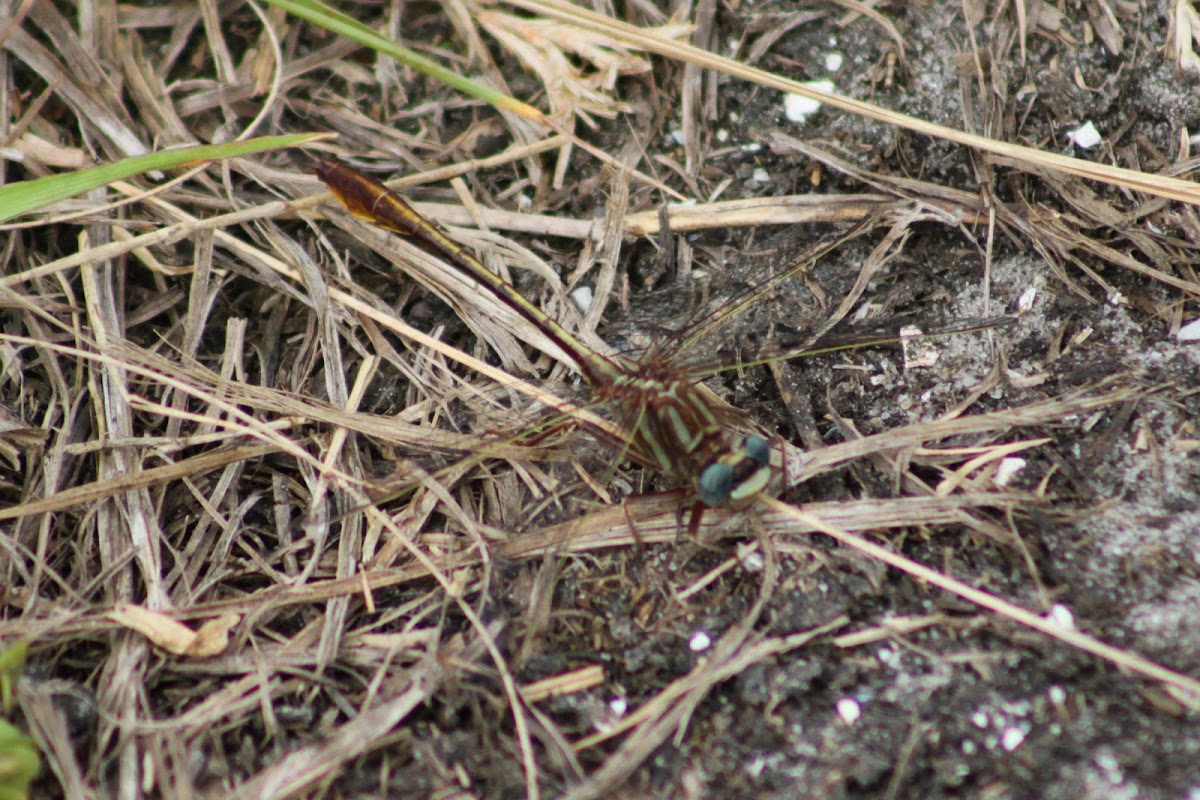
(671, 425)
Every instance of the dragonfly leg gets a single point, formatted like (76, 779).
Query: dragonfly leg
(638, 544)
(698, 509)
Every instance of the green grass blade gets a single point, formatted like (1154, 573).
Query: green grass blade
(336, 22)
(19, 762)
(26, 196)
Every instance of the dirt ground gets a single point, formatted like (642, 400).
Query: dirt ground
(756, 657)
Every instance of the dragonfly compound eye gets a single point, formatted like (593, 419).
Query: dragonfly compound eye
(736, 476)
(715, 484)
(751, 470)
(757, 450)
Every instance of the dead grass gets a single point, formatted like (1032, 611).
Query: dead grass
(197, 381)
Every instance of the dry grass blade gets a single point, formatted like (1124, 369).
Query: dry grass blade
(546, 48)
(804, 466)
(670, 710)
(1025, 157)
(1050, 233)
(90, 493)
(320, 762)
(1188, 688)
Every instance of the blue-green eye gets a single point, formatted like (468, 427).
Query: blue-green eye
(714, 484)
(757, 450)
(747, 475)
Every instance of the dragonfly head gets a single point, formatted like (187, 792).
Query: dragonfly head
(737, 475)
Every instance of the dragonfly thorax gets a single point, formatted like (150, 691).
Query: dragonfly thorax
(675, 429)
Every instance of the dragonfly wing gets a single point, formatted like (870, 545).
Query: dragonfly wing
(889, 333)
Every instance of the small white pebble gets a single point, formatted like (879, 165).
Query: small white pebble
(918, 354)
(866, 310)
(798, 108)
(927, 358)
(849, 710)
(1025, 301)
(1189, 332)
(1007, 470)
(700, 642)
(722, 135)
(1085, 136)
(834, 61)
(1057, 695)
(605, 721)
(1011, 738)
(761, 175)
(1061, 616)
(583, 297)
(676, 136)
(979, 719)
(1108, 763)
(750, 557)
